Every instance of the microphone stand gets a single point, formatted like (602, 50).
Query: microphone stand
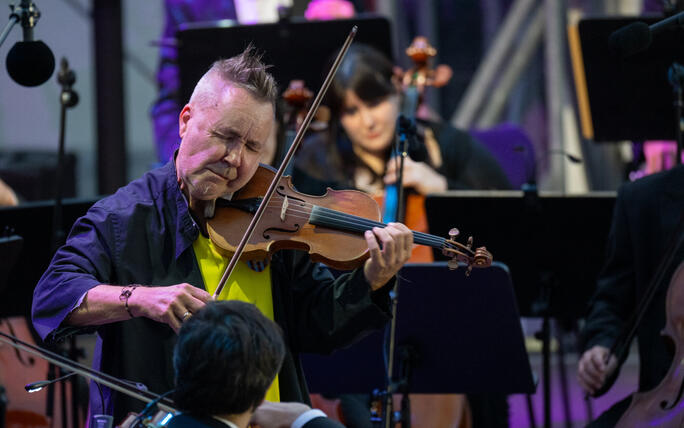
(27, 13)
(675, 75)
(406, 131)
(68, 98)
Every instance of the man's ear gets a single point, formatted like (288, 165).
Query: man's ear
(183, 119)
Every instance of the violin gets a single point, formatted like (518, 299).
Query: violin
(329, 227)
(663, 406)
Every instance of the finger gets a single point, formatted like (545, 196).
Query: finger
(397, 238)
(407, 238)
(592, 369)
(192, 304)
(598, 358)
(591, 382)
(589, 389)
(373, 246)
(173, 321)
(590, 373)
(583, 384)
(586, 379)
(198, 293)
(390, 178)
(388, 244)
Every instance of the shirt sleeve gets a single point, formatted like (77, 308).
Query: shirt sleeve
(84, 262)
(305, 417)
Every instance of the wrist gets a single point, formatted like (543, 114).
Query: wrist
(125, 298)
(374, 280)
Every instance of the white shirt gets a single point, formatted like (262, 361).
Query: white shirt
(305, 417)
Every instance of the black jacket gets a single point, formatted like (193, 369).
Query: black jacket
(645, 217)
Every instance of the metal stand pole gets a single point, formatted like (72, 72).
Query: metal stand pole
(676, 76)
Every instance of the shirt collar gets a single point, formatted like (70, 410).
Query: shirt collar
(186, 228)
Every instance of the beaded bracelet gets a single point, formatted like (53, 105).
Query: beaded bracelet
(125, 294)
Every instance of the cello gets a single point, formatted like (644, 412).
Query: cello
(663, 406)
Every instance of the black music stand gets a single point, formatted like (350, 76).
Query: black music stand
(628, 98)
(456, 329)
(32, 221)
(296, 48)
(553, 244)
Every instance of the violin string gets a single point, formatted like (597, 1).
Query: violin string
(302, 210)
(345, 219)
(349, 220)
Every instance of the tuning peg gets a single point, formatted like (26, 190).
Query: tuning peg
(453, 233)
(468, 270)
(452, 264)
(470, 243)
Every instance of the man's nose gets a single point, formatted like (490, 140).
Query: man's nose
(234, 154)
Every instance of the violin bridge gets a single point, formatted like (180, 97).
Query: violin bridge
(283, 209)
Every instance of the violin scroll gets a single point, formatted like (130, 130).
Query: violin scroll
(458, 252)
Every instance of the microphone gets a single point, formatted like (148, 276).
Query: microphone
(415, 148)
(29, 62)
(637, 37)
(37, 386)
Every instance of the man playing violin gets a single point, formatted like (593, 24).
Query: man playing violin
(139, 263)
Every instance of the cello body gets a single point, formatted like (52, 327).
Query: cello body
(663, 406)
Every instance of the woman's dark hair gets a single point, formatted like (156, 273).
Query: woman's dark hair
(226, 357)
(365, 71)
(368, 73)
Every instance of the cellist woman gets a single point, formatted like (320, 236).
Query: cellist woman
(365, 101)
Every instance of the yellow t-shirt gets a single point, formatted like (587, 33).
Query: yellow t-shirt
(245, 284)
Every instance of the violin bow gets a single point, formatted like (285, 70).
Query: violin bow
(281, 170)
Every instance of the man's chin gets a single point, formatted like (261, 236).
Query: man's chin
(209, 192)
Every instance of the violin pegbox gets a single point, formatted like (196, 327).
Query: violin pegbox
(458, 252)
